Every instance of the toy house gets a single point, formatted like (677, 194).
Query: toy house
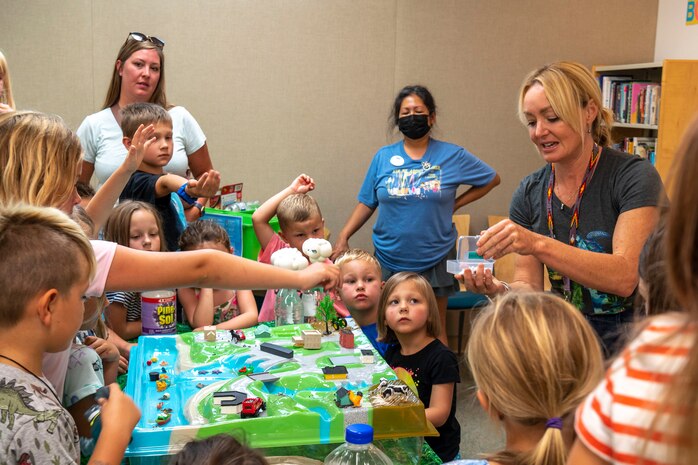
(262, 331)
(210, 333)
(346, 338)
(312, 338)
(335, 372)
(341, 398)
(367, 356)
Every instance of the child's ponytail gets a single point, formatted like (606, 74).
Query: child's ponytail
(534, 358)
(551, 447)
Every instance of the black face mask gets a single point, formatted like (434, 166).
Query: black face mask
(414, 126)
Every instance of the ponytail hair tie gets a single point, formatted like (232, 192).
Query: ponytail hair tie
(554, 422)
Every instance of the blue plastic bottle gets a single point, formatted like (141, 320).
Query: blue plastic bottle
(359, 449)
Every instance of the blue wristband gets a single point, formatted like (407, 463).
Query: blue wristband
(183, 194)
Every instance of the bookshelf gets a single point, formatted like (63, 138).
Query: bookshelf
(678, 103)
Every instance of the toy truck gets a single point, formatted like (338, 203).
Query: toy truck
(252, 406)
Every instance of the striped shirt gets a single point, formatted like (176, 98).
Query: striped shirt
(614, 420)
(130, 300)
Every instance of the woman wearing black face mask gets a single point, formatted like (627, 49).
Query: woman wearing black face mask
(414, 182)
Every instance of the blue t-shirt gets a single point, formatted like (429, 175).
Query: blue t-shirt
(414, 230)
(371, 332)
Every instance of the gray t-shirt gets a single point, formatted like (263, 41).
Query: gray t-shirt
(621, 183)
(34, 427)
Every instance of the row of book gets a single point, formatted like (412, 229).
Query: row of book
(631, 101)
(644, 147)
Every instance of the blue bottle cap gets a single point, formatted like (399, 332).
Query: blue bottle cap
(359, 433)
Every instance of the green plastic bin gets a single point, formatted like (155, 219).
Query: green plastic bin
(246, 238)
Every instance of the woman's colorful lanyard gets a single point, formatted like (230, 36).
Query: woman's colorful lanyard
(574, 223)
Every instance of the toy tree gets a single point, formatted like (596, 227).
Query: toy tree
(326, 312)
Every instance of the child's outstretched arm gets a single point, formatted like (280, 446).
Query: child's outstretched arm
(119, 416)
(101, 205)
(261, 218)
(205, 187)
(138, 270)
(440, 403)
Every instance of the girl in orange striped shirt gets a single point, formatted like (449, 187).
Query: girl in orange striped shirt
(646, 409)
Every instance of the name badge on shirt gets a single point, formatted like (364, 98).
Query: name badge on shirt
(397, 160)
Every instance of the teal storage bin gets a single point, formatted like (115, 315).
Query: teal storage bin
(239, 228)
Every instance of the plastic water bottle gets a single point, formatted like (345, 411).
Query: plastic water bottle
(310, 299)
(359, 449)
(288, 309)
(93, 414)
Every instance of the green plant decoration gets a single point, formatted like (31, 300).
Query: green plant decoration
(326, 312)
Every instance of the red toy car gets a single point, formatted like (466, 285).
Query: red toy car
(246, 370)
(252, 406)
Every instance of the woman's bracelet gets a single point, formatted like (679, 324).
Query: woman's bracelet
(507, 288)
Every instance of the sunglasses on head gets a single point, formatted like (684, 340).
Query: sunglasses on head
(140, 37)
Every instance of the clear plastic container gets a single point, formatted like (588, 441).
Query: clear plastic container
(310, 299)
(359, 449)
(467, 257)
(288, 309)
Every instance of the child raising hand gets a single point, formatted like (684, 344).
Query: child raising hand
(300, 219)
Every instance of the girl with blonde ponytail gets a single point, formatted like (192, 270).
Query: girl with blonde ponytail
(534, 358)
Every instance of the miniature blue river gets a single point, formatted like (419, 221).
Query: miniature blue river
(325, 418)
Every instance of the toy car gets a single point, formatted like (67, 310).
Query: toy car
(338, 323)
(237, 335)
(252, 406)
(246, 370)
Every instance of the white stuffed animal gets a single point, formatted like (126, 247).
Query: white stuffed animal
(317, 250)
(289, 259)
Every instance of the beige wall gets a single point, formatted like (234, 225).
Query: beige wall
(675, 39)
(282, 86)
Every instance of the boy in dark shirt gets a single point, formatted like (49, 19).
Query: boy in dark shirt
(150, 183)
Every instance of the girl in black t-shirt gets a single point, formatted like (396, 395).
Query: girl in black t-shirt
(408, 318)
